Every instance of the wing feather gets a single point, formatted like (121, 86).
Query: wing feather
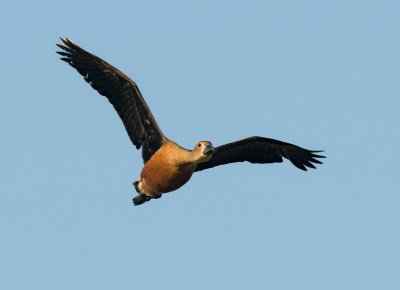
(121, 91)
(262, 150)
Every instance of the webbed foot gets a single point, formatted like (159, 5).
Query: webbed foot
(140, 199)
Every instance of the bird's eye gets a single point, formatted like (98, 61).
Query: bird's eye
(199, 145)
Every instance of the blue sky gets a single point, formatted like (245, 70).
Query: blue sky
(319, 74)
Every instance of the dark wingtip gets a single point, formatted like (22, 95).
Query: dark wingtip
(313, 157)
(305, 159)
(62, 53)
(317, 155)
(68, 48)
(68, 44)
(65, 40)
(66, 59)
(301, 167)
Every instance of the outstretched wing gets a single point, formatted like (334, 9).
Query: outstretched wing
(261, 150)
(121, 91)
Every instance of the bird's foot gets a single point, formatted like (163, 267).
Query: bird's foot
(140, 199)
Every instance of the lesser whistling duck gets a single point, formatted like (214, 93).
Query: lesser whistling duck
(168, 166)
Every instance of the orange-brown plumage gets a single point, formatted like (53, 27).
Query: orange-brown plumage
(167, 170)
(168, 166)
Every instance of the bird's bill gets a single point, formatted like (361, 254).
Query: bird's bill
(209, 150)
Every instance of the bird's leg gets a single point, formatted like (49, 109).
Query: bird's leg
(141, 198)
(136, 186)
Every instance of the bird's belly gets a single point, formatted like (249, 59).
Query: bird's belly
(163, 178)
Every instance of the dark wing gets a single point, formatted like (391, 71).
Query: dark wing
(261, 150)
(121, 91)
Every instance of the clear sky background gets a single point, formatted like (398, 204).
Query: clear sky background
(319, 74)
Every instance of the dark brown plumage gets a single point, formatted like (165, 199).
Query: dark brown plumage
(168, 166)
(121, 91)
(261, 150)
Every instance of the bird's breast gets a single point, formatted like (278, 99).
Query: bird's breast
(164, 172)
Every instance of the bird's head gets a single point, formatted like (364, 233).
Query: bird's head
(203, 151)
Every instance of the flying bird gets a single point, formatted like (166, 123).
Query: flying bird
(167, 165)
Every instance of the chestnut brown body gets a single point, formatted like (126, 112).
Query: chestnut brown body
(167, 170)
